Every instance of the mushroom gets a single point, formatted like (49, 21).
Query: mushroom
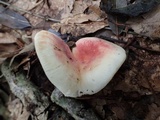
(83, 71)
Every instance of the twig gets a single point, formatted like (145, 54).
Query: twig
(34, 14)
(35, 101)
(75, 108)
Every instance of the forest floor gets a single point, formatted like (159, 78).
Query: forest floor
(27, 94)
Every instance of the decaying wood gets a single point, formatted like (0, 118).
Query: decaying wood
(34, 100)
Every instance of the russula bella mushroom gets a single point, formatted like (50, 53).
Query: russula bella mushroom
(84, 71)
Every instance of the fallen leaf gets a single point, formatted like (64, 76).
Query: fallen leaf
(17, 110)
(7, 50)
(26, 49)
(12, 19)
(29, 5)
(79, 29)
(93, 13)
(84, 11)
(129, 8)
(54, 9)
(6, 38)
(116, 23)
(148, 25)
(80, 6)
(62, 8)
(87, 20)
(81, 18)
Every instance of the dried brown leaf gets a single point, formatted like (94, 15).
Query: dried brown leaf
(7, 50)
(17, 110)
(86, 17)
(93, 12)
(79, 29)
(26, 49)
(13, 19)
(81, 18)
(6, 38)
(55, 9)
(64, 8)
(149, 25)
(80, 6)
(29, 5)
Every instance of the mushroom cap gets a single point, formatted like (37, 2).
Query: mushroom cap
(84, 71)
(99, 61)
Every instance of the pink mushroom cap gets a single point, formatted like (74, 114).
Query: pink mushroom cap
(83, 71)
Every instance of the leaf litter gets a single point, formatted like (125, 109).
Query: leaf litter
(133, 93)
(12, 19)
(147, 24)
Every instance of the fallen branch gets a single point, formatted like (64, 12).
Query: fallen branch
(75, 108)
(34, 100)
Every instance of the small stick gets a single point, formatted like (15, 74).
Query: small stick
(77, 109)
(34, 100)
